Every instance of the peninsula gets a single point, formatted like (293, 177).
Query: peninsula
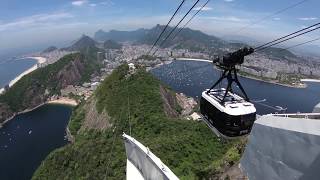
(40, 61)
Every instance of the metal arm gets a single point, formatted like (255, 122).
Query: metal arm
(228, 64)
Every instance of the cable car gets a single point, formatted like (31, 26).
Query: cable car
(226, 113)
(231, 117)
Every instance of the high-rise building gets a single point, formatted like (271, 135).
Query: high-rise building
(100, 56)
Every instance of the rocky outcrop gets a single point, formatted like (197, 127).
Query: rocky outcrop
(177, 104)
(71, 73)
(93, 119)
(170, 104)
(186, 103)
(234, 172)
(5, 112)
(38, 97)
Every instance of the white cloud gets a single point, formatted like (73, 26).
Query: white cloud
(277, 19)
(93, 5)
(225, 18)
(106, 3)
(203, 9)
(79, 2)
(35, 20)
(228, 0)
(308, 18)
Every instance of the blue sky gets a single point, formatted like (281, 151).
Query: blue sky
(43, 22)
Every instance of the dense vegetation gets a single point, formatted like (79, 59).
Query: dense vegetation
(279, 53)
(39, 80)
(111, 44)
(187, 147)
(73, 69)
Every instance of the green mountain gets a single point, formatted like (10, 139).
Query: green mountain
(188, 147)
(111, 44)
(192, 40)
(119, 36)
(279, 53)
(188, 38)
(35, 88)
(84, 44)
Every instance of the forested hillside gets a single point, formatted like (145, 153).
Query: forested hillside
(188, 147)
(35, 88)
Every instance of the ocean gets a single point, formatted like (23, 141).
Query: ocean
(27, 139)
(11, 68)
(191, 78)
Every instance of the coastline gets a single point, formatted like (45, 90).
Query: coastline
(255, 78)
(40, 60)
(310, 80)
(276, 83)
(63, 101)
(18, 113)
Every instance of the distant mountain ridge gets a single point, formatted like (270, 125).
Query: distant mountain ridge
(119, 36)
(111, 44)
(193, 40)
(82, 44)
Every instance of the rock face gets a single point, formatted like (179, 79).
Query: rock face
(170, 104)
(71, 73)
(5, 112)
(234, 172)
(188, 104)
(177, 104)
(94, 119)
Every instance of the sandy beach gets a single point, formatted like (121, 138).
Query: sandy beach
(65, 101)
(310, 80)
(194, 59)
(40, 60)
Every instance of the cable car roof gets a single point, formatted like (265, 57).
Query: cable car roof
(233, 104)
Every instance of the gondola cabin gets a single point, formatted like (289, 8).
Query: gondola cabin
(232, 116)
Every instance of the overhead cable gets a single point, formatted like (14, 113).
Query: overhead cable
(200, 9)
(278, 42)
(314, 25)
(302, 43)
(164, 29)
(176, 27)
(271, 15)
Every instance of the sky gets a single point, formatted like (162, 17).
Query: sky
(40, 23)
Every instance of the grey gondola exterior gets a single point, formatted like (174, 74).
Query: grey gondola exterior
(283, 148)
(231, 118)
